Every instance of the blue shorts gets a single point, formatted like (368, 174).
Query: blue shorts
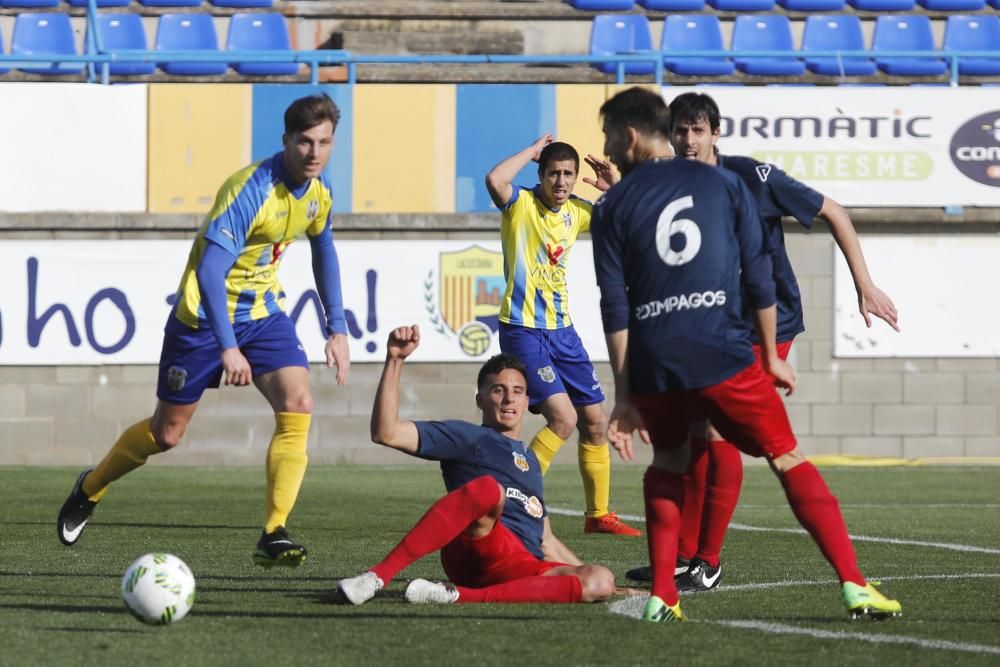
(556, 363)
(191, 361)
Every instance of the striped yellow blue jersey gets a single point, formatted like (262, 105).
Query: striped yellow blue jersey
(256, 215)
(536, 245)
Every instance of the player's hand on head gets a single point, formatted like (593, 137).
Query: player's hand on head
(236, 367)
(540, 143)
(338, 353)
(873, 301)
(605, 175)
(403, 341)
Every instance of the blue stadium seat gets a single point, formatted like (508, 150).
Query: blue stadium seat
(45, 35)
(953, 5)
(742, 5)
(170, 3)
(673, 5)
(602, 5)
(906, 33)
(883, 5)
(251, 32)
(974, 33)
(29, 3)
(694, 32)
(812, 5)
(620, 33)
(771, 32)
(101, 3)
(242, 4)
(188, 32)
(835, 32)
(124, 31)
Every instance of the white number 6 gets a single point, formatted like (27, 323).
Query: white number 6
(666, 227)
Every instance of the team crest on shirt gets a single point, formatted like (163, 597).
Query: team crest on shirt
(763, 171)
(532, 505)
(312, 209)
(470, 287)
(176, 378)
(521, 461)
(567, 219)
(546, 374)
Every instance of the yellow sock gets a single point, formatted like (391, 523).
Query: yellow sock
(595, 469)
(545, 445)
(134, 446)
(286, 466)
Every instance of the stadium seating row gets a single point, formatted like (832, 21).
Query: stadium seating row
(48, 36)
(790, 5)
(21, 4)
(614, 34)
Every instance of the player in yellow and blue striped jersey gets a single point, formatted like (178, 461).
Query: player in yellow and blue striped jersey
(539, 226)
(228, 319)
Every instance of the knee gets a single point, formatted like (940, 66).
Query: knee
(300, 402)
(597, 583)
(782, 464)
(167, 436)
(563, 423)
(594, 429)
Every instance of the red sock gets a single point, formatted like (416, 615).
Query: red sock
(554, 589)
(725, 477)
(694, 500)
(819, 513)
(664, 492)
(443, 522)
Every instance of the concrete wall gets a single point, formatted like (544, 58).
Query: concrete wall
(911, 408)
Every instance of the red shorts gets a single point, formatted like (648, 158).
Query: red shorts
(783, 349)
(493, 559)
(745, 409)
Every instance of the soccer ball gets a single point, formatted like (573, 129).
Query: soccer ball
(158, 589)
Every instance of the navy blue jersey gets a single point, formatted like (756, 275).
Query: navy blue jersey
(777, 194)
(674, 241)
(467, 451)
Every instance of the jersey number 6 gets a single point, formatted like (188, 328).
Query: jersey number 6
(667, 226)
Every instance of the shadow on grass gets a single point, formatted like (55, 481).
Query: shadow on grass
(92, 630)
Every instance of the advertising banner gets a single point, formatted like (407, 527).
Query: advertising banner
(106, 302)
(935, 283)
(870, 146)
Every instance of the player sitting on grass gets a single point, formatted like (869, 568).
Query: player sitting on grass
(492, 530)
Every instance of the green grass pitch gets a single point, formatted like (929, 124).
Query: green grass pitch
(934, 542)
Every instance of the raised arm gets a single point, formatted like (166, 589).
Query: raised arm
(500, 180)
(386, 426)
(871, 300)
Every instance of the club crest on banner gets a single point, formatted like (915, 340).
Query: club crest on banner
(470, 286)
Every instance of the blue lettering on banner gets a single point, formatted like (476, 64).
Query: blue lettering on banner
(353, 329)
(36, 324)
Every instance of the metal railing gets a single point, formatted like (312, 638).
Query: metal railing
(98, 59)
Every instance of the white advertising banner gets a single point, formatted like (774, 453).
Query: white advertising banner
(870, 146)
(105, 302)
(73, 147)
(942, 286)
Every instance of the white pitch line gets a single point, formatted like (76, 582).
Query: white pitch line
(834, 582)
(966, 548)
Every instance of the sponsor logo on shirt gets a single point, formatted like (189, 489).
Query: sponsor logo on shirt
(678, 303)
(763, 171)
(532, 505)
(521, 461)
(547, 374)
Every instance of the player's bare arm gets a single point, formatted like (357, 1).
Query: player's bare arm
(338, 354)
(766, 322)
(605, 175)
(871, 300)
(500, 180)
(553, 548)
(386, 426)
(624, 417)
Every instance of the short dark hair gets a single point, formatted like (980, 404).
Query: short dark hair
(692, 107)
(496, 365)
(557, 151)
(638, 108)
(308, 112)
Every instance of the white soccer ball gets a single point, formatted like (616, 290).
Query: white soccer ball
(158, 589)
